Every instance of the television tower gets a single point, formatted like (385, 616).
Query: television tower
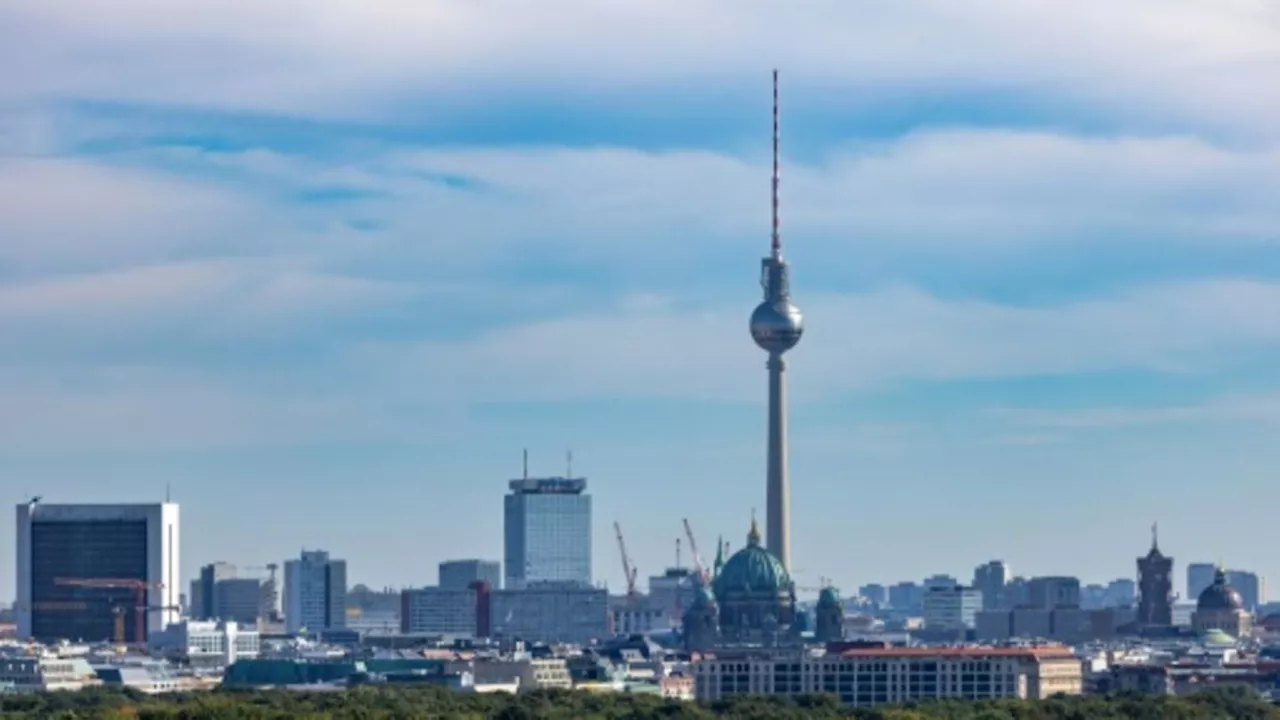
(776, 326)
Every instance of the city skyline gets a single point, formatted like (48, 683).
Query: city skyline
(326, 272)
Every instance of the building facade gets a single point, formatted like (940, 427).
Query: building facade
(238, 600)
(1199, 577)
(315, 593)
(439, 611)
(204, 600)
(990, 579)
(550, 612)
(459, 574)
(1049, 593)
(1251, 587)
(672, 592)
(951, 607)
(62, 549)
(547, 532)
(879, 676)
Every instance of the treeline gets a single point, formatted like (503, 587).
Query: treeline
(429, 702)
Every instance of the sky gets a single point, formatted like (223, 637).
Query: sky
(322, 269)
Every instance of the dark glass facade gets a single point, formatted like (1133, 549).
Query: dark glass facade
(86, 549)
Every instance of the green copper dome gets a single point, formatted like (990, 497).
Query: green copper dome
(828, 596)
(752, 570)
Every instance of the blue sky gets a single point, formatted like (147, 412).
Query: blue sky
(325, 267)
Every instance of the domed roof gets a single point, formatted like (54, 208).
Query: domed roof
(828, 596)
(1219, 595)
(752, 569)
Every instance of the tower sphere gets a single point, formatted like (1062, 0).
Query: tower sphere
(776, 326)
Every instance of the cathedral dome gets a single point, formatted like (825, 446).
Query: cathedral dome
(1219, 596)
(752, 570)
(828, 596)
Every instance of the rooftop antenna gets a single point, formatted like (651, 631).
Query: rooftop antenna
(526, 463)
(568, 463)
(1155, 536)
(776, 240)
(168, 494)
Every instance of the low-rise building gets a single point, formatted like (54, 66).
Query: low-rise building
(551, 612)
(204, 644)
(46, 674)
(438, 611)
(876, 676)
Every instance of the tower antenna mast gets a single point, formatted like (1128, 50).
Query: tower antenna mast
(776, 238)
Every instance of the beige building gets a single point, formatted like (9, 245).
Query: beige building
(876, 676)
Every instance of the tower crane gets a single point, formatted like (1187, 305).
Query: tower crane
(699, 569)
(627, 569)
(140, 607)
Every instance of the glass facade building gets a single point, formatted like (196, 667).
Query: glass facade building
(547, 532)
(77, 566)
(315, 593)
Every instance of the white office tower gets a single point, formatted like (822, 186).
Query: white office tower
(79, 566)
(315, 593)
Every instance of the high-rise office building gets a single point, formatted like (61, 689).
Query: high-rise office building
(78, 566)
(238, 599)
(1051, 593)
(459, 574)
(875, 593)
(990, 579)
(953, 607)
(1250, 587)
(1199, 577)
(547, 532)
(205, 589)
(315, 593)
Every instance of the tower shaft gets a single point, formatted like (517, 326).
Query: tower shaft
(778, 493)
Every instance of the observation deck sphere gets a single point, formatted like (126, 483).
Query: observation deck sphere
(777, 326)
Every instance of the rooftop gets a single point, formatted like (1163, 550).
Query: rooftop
(548, 486)
(1037, 653)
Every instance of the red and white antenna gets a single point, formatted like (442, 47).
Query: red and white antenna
(776, 245)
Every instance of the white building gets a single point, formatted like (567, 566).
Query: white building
(951, 607)
(438, 611)
(315, 592)
(63, 549)
(203, 644)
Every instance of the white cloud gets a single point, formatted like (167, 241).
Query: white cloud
(649, 350)
(641, 210)
(853, 342)
(1235, 408)
(1208, 59)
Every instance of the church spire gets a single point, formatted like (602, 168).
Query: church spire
(753, 537)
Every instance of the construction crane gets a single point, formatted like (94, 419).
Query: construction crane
(627, 569)
(699, 569)
(140, 607)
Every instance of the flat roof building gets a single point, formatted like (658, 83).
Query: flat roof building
(78, 566)
(547, 532)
